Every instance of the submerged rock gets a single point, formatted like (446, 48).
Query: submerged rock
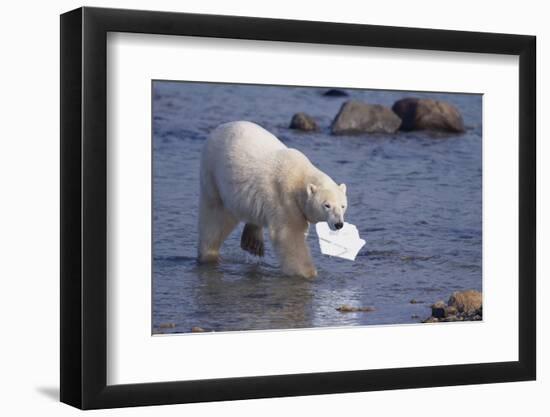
(335, 92)
(345, 308)
(428, 114)
(356, 117)
(303, 121)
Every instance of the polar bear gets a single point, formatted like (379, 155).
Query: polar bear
(248, 175)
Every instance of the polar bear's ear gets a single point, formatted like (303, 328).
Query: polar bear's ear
(311, 189)
(343, 188)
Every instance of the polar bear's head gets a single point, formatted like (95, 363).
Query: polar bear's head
(326, 203)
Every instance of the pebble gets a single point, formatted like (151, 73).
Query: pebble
(197, 329)
(431, 320)
(345, 308)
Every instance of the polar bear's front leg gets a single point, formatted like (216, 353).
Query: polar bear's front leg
(291, 247)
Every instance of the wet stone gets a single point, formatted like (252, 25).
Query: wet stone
(197, 329)
(451, 311)
(345, 308)
(439, 309)
(303, 122)
(431, 320)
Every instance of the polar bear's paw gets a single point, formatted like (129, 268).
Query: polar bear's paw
(252, 239)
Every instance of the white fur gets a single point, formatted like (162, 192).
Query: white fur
(248, 175)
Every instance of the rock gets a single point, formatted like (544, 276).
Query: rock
(439, 309)
(355, 117)
(413, 301)
(466, 301)
(451, 311)
(167, 325)
(462, 306)
(345, 308)
(428, 114)
(197, 329)
(431, 320)
(303, 121)
(335, 92)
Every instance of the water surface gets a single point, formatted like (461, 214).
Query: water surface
(415, 198)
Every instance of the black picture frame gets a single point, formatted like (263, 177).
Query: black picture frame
(84, 207)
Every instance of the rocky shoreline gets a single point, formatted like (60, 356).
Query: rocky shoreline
(410, 113)
(461, 306)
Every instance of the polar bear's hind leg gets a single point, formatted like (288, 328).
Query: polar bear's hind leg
(215, 224)
(252, 239)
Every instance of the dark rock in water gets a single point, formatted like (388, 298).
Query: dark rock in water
(167, 325)
(335, 92)
(414, 301)
(428, 114)
(438, 310)
(303, 121)
(355, 117)
(466, 301)
(345, 308)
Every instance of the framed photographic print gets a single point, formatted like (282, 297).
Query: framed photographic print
(257, 208)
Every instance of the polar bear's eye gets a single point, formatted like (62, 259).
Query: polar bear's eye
(327, 205)
(343, 207)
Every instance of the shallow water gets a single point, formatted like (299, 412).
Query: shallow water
(415, 198)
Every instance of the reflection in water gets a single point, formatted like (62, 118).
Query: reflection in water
(243, 293)
(415, 198)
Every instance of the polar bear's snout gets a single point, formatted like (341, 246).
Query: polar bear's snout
(336, 224)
